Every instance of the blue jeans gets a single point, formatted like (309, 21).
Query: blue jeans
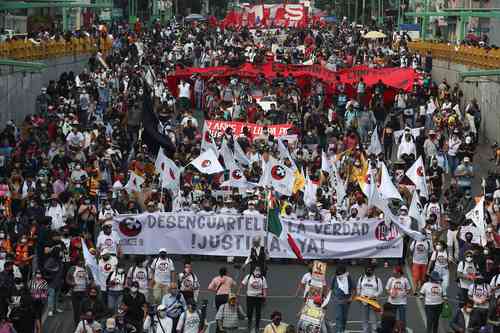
(452, 163)
(341, 313)
(400, 312)
(52, 300)
(114, 299)
(369, 319)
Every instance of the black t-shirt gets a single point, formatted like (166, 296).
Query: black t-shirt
(436, 173)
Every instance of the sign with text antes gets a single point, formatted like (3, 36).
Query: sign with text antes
(223, 235)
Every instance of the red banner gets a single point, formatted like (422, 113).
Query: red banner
(280, 15)
(218, 127)
(394, 77)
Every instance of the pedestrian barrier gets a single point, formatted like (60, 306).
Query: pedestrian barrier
(25, 49)
(462, 54)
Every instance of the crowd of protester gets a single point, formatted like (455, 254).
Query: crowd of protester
(63, 172)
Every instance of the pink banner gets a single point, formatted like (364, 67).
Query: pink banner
(218, 127)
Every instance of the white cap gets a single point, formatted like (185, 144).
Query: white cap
(161, 307)
(162, 250)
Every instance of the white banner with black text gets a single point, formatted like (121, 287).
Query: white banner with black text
(232, 235)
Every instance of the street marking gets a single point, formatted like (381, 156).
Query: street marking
(418, 301)
(211, 326)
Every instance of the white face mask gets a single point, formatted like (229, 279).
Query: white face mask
(468, 259)
(439, 247)
(133, 289)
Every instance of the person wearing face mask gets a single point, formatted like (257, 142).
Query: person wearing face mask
(465, 244)
(480, 294)
(24, 256)
(343, 290)
(421, 250)
(175, 304)
(158, 322)
(434, 207)
(464, 174)
(163, 275)
(276, 325)
(460, 322)
(56, 212)
(107, 264)
(229, 314)
(140, 273)
(369, 286)
(78, 279)
(88, 324)
(189, 284)
(467, 270)
(433, 294)
(107, 213)
(108, 240)
(439, 262)
(190, 321)
(407, 146)
(398, 287)
(39, 293)
(133, 307)
(115, 285)
(5, 243)
(256, 291)
(21, 308)
(258, 256)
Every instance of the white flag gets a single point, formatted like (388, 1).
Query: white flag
(417, 175)
(310, 193)
(387, 187)
(237, 179)
(134, 183)
(416, 210)
(227, 156)
(170, 173)
(91, 263)
(383, 205)
(477, 217)
(285, 153)
(375, 146)
(207, 141)
(338, 185)
(207, 163)
(239, 154)
(326, 164)
(278, 176)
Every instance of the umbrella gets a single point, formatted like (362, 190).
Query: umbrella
(374, 35)
(195, 17)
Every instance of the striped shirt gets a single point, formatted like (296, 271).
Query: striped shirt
(39, 289)
(229, 314)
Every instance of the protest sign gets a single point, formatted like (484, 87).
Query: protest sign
(222, 235)
(217, 128)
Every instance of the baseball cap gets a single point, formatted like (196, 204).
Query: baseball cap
(162, 250)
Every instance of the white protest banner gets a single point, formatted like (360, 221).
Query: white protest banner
(222, 235)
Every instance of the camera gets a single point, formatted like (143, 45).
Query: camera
(152, 310)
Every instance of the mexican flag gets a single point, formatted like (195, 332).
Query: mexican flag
(275, 227)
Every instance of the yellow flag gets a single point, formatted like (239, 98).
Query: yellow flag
(299, 182)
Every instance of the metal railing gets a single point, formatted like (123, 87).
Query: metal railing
(28, 50)
(463, 54)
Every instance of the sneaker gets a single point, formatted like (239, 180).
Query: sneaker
(51, 313)
(59, 310)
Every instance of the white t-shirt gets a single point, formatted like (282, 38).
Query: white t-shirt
(255, 285)
(369, 286)
(433, 293)
(116, 281)
(162, 270)
(479, 293)
(108, 242)
(398, 289)
(495, 283)
(421, 251)
(106, 267)
(185, 90)
(441, 259)
(188, 282)
(466, 268)
(139, 275)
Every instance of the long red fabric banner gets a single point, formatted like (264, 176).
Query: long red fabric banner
(394, 77)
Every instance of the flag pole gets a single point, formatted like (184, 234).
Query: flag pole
(161, 194)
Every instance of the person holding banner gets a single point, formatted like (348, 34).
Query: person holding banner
(369, 286)
(343, 290)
